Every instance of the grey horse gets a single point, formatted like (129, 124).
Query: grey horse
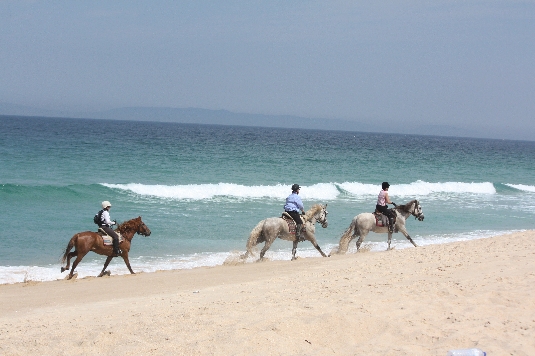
(363, 223)
(269, 229)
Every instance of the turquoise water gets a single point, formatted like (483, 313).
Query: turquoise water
(201, 189)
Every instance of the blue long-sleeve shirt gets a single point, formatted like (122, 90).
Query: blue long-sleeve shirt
(293, 203)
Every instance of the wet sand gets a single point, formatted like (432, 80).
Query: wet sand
(416, 301)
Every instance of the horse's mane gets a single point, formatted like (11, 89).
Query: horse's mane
(128, 225)
(406, 207)
(312, 211)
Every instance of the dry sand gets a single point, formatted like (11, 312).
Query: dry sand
(416, 301)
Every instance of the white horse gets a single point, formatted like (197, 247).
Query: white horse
(269, 229)
(363, 223)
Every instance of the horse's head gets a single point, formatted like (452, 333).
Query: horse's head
(143, 229)
(322, 217)
(417, 211)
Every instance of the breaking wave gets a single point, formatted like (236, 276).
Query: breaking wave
(525, 188)
(320, 191)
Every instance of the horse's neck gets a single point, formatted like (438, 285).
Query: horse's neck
(406, 213)
(313, 219)
(128, 234)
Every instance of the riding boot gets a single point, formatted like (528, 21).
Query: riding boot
(390, 225)
(116, 251)
(299, 232)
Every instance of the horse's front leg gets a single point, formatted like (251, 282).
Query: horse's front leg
(105, 265)
(126, 261)
(406, 234)
(312, 240)
(294, 249)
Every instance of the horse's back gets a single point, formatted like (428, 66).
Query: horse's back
(86, 233)
(274, 223)
(87, 237)
(365, 221)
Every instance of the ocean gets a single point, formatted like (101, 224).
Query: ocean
(202, 188)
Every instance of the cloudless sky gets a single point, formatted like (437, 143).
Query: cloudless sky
(461, 63)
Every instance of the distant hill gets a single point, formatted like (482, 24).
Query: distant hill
(224, 117)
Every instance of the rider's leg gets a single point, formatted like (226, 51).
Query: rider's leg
(298, 223)
(390, 222)
(385, 211)
(115, 238)
(299, 232)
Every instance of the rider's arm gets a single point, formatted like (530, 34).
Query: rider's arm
(300, 204)
(387, 199)
(106, 218)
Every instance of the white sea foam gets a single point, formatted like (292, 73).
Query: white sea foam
(420, 188)
(19, 274)
(319, 191)
(526, 188)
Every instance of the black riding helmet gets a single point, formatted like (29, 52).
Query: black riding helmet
(295, 187)
(385, 185)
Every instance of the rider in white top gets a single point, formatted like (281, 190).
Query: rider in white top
(106, 223)
(106, 218)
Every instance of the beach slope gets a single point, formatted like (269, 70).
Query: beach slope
(416, 301)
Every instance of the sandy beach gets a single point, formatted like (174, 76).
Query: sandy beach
(416, 301)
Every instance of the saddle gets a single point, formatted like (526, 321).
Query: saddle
(108, 240)
(291, 223)
(382, 220)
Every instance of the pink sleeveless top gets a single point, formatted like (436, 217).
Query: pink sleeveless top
(381, 198)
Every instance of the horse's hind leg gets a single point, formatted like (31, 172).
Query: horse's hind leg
(69, 256)
(360, 240)
(105, 265)
(75, 263)
(265, 248)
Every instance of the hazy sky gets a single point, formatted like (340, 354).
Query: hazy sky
(463, 63)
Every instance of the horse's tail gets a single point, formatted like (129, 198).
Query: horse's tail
(347, 236)
(255, 238)
(70, 245)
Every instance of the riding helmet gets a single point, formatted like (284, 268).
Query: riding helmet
(105, 204)
(295, 187)
(385, 185)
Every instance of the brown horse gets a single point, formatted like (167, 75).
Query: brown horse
(86, 241)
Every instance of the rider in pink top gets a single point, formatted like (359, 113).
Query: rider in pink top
(381, 206)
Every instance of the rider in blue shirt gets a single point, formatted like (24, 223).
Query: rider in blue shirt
(292, 207)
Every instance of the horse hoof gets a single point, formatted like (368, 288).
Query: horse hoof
(63, 269)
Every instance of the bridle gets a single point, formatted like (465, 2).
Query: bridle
(142, 230)
(324, 223)
(418, 216)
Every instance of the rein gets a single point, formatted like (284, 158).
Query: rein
(413, 212)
